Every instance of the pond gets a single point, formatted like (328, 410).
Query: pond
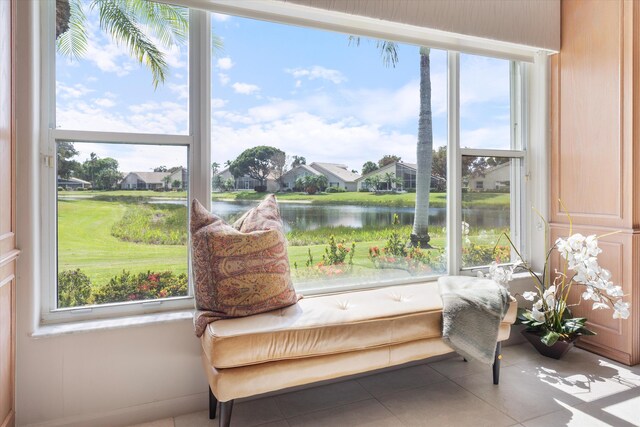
(306, 216)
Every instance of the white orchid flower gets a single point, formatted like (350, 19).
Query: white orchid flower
(529, 296)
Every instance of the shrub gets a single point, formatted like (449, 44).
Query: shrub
(336, 253)
(474, 254)
(74, 288)
(142, 286)
(260, 188)
(335, 190)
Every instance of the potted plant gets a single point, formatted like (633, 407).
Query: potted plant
(550, 327)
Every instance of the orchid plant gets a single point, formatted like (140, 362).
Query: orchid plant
(550, 315)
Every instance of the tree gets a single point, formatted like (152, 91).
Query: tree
(135, 24)
(424, 149)
(167, 181)
(391, 180)
(280, 167)
(369, 167)
(311, 184)
(388, 159)
(297, 161)
(160, 169)
(372, 182)
(67, 167)
(257, 162)
(102, 173)
(420, 232)
(214, 168)
(176, 184)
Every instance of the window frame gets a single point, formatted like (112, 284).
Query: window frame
(198, 153)
(199, 139)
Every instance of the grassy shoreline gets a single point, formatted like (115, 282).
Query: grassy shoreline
(436, 200)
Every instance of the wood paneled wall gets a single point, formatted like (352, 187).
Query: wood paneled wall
(8, 251)
(595, 160)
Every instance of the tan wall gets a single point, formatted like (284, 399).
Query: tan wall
(528, 22)
(595, 154)
(8, 251)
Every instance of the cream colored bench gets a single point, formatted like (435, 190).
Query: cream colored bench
(325, 337)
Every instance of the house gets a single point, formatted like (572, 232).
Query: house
(155, 180)
(405, 171)
(337, 174)
(127, 363)
(494, 178)
(246, 182)
(290, 177)
(73, 183)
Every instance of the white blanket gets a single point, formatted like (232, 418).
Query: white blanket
(472, 311)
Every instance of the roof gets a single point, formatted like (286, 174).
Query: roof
(387, 167)
(76, 180)
(305, 168)
(151, 177)
(336, 169)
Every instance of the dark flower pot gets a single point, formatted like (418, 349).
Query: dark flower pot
(556, 351)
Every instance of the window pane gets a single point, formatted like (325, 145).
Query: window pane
(122, 223)
(488, 209)
(106, 88)
(485, 103)
(342, 130)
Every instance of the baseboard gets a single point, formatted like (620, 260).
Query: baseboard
(134, 414)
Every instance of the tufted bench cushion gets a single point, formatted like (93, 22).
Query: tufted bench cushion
(329, 325)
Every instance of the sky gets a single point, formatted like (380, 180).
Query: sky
(305, 91)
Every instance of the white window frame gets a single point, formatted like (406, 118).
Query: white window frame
(198, 165)
(529, 76)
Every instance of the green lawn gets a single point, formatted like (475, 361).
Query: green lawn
(85, 242)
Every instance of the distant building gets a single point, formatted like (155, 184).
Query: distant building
(495, 178)
(289, 178)
(155, 180)
(246, 182)
(405, 171)
(73, 183)
(337, 174)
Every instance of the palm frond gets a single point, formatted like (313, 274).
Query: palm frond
(389, 52)
(217, 45)
(170, 24)
(73, 42)
(124, 29)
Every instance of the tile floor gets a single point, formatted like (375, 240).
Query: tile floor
(581, 390)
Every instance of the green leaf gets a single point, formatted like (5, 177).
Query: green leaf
(550, 338)
(73, 42)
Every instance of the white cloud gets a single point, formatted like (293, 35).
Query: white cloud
(181, 90)
(317, 72)
(150, 117)
(220, 17)
(104, 102)
(316, 138)
(218, 103)
(298, 83)
(225, 63)
(497, 137)
(245, 88)
(71, 92)
(135, 158)
(224, 79)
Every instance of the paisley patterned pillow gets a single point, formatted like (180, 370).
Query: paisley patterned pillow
(242, 269)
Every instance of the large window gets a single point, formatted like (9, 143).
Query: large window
(341, 133)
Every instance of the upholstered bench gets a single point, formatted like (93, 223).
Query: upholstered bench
(325, 337)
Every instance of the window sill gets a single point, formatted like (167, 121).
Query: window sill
(52, 330)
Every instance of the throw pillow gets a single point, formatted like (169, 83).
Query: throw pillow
(239, 272)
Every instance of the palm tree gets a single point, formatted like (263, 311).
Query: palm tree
(424, 150)
(124, 21)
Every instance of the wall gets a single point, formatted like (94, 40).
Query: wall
(528, 22)
(97, 378)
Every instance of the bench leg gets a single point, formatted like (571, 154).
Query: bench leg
(496, 363)
(225, 413)
(213, 405)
